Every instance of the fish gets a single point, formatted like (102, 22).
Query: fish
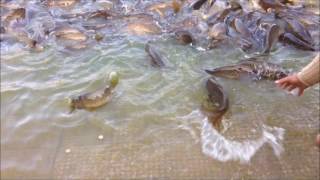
(298, 29)
(241, 28)
(60, 3)
(291, 39)
(274, 4)
(69, 33)
(93, 100)
(252, 68)
(176, 6)
(184, 37)
(156, 58)
(143, 28)
(197, 5)
(15, 15)
(218, 31)
(271, 37)
(216, 104)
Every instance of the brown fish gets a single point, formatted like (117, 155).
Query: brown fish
(98, 98)
(216, 104)
(274, 4)
(61, 3)
(69, 33)
(143, 28)
(250, 68)
(15, 15)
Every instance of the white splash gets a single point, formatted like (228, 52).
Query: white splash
(218, 147)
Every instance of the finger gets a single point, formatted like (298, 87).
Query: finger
(300, 91)
(284, 85)
(281, 81)
(291, 87)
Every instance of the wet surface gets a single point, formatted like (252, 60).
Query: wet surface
(153, 126)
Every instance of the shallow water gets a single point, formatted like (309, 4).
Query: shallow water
(153, 126)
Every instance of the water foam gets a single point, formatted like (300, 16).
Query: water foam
(218, 147)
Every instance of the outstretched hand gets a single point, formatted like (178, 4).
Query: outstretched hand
(291, 82)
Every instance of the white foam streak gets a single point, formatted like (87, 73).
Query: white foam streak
(218, 147)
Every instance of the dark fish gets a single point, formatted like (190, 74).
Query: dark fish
(271, 37)
(99, 14)
(197, 5)
(299, 30)
(241, 28)
(217, 103)
(2, 30)
(184, 37)
(250, 68)
(156, 58)
(289, 38)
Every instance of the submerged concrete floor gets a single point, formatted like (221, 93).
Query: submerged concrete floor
(166, 156)
(180, 158)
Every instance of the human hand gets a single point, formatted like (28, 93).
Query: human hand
(291, 82)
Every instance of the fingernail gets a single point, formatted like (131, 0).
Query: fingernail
(277, 82)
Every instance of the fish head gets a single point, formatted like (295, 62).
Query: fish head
(184, 37)
(231, 72)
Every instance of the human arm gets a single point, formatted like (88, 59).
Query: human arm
(307, 77)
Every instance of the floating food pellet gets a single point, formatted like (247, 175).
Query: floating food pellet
(68, 150)
(100, 137)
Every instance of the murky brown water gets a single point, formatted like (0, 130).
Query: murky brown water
(153, 126)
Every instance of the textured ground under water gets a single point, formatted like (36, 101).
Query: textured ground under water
(153, 127)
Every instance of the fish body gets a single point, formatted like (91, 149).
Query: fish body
(298, 29)
(15, 15)
(96, 99)
(156, 58)
(291, 39)
(252, 68)
(92, 100)
(69, 33)
(272, 37)
(217, 103)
